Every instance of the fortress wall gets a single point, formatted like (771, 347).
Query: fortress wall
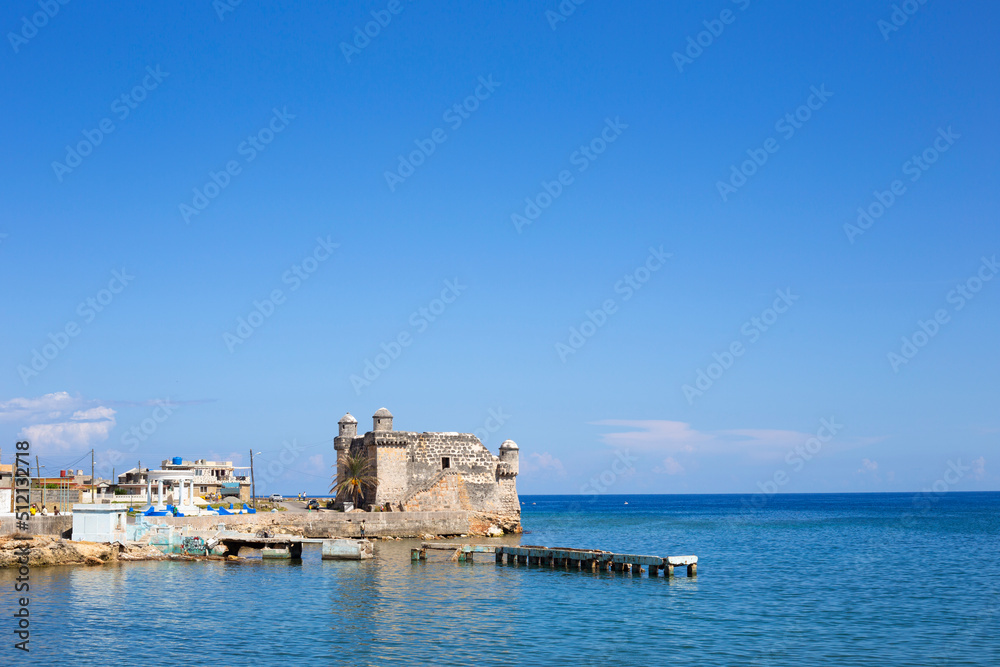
(391, 464)
(509, 501)
(464, 450)
(444, 495)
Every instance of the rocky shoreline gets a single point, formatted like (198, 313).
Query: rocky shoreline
(51, 550)
(45, 550)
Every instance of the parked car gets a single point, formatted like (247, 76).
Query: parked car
(312, 504)
(276, 498)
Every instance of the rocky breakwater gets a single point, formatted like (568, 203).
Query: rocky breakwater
(494, 525)
(46, 550)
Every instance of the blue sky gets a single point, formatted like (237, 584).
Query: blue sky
(692, 200)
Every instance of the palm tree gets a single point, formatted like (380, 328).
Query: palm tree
(356, 479)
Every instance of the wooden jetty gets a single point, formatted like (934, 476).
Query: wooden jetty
(593, 560)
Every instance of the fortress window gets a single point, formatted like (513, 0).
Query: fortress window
(445, 462)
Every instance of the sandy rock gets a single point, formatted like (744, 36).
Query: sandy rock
(45, 550)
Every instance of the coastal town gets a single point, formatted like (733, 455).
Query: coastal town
(387, 484)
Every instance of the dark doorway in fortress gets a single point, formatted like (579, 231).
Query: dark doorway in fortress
(445, 462)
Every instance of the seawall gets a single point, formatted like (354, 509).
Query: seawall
(335, 524)
(57, 526)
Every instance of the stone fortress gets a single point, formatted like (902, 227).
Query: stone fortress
(433, 471)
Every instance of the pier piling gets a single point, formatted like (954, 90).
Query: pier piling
(576, 559)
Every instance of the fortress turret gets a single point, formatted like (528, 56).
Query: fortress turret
(382, 420)
(509, 453)
(348, 430)
(348, 426)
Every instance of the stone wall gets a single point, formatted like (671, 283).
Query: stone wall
(391, 466)
(463, 449)
(445, 493)
(509, 501)
(59, 526)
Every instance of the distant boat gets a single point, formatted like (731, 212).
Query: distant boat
(626, 502)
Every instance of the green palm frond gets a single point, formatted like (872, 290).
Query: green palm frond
(356, 478)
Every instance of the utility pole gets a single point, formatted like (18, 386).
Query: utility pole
(38, 474)
(92, 498)
(253, 486)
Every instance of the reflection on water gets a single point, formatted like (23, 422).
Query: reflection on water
(772, 590)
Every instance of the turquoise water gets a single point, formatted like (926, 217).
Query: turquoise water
(893, 579)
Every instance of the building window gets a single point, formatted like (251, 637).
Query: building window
(445, 463)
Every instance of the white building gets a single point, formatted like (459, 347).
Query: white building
(98, 523)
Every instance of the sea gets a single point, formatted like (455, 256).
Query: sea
(812, 579)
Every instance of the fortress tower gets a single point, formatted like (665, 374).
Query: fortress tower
(509, 454)
(342, 443)
(382, 420)
(348, 427)
(433, 471)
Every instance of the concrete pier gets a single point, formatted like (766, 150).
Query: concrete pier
(587, 560)
(287, 546)
(347, 550)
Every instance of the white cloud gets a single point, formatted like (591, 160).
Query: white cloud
(670, 467)
(674, 437)
(82, 429)
(58, 421)
(235, 457)
(42, 408)
(869, 468)
(536, 462)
